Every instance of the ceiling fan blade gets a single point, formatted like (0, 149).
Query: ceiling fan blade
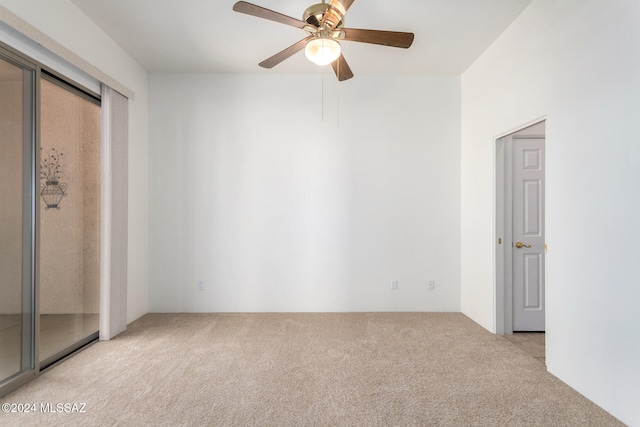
(287, 53)
(342, 69)
(335, 12)
(261, 12)
(385, 38)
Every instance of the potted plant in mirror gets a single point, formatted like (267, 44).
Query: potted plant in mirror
(52, 191)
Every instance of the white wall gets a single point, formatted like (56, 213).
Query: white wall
(63, 22)
(276, 210)
(578, 63)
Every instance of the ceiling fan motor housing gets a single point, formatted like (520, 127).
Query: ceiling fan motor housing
(315, 14)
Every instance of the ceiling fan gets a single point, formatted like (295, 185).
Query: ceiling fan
(324, 23)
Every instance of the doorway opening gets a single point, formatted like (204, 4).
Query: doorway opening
(519, 229)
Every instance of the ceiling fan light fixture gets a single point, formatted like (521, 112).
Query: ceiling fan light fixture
(322, 51)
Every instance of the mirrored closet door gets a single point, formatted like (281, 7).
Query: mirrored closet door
(50, 170)
(69, 226)
(17, 85)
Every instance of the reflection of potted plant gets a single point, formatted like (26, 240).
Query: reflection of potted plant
(52, 191)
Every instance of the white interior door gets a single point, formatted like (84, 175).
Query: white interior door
(528, 234)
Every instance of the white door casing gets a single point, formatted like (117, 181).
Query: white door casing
(504, 227)
(528, 247)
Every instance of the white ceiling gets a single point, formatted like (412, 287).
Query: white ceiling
(207, 36)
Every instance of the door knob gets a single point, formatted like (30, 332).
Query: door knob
(521, 245)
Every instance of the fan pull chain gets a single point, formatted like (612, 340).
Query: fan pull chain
(338, 98)
(322, 96)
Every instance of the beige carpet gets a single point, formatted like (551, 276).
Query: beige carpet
(364, 369)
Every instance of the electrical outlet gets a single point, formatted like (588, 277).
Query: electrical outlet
(431, 285)
(200, 285)
(394, 285)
